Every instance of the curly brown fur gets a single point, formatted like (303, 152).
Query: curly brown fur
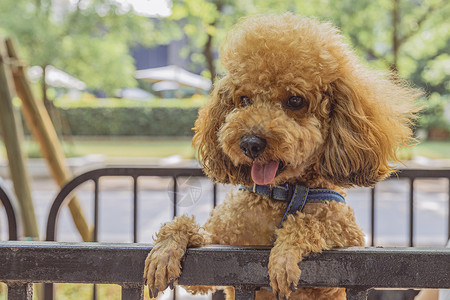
(346, 133)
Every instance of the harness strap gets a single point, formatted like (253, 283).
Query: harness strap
(297, 195)
(297, 202)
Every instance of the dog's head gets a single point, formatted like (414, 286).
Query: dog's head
(296, 105)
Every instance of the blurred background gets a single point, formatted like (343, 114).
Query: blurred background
(109, 69)
(122, 81)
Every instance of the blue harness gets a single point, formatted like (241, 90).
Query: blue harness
(297, 195)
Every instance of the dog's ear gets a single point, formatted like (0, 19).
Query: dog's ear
(216, 164)
(370, 118)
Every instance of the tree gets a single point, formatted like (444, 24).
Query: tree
(203, 23)
(408, 37)
(87, 39)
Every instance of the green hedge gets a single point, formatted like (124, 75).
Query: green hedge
(132, 121)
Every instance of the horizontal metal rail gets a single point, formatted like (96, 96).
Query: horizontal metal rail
(245, 268)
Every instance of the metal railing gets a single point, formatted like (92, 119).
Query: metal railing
(174, 173)
(94, 176)
(5, 199)
(134, 173)
(412, 175)
(244, 268)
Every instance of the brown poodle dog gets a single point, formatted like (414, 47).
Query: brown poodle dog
(296, 112)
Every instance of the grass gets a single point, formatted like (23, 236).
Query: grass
(162, 147)
(149, 147)
(118, 147)
(430, 149)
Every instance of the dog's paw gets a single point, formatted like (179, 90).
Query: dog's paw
(284, 273)
(163, 266)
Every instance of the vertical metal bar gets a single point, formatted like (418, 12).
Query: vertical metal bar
(242, 293)
(214, 194)
(218, 295)
(95, 210)
(372, 216)
(175, 184)
(132, 292)
(356, 294)
(411, 212)
(135, 208)
(448, 212)
(20, 291)
(95, 239)
(48, 291)
(94, 292)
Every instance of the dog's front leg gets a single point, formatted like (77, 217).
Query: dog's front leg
(300, 235)
(163, 264)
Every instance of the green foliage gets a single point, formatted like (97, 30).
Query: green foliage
(105, 64)
(422, 31)
(133, 121)
(433, 115)
(88, 39)
(92, 39)
(90, 101)
(197, 20)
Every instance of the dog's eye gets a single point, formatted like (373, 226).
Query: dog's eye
(245, 101)
(296, 102)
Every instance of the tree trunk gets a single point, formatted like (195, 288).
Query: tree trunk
(44, 89)
(395, 35)
(208, 52)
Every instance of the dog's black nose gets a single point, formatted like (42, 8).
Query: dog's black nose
(252, 146)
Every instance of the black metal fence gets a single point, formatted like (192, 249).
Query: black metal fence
(244, 268)
(411, 174)
(134, 173)
(364, 267)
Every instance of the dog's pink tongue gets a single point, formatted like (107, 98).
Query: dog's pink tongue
(264, 173)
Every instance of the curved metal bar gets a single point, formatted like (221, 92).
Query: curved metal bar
(10, 214)
(143, 171)
(94, 175)
(61, 199)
